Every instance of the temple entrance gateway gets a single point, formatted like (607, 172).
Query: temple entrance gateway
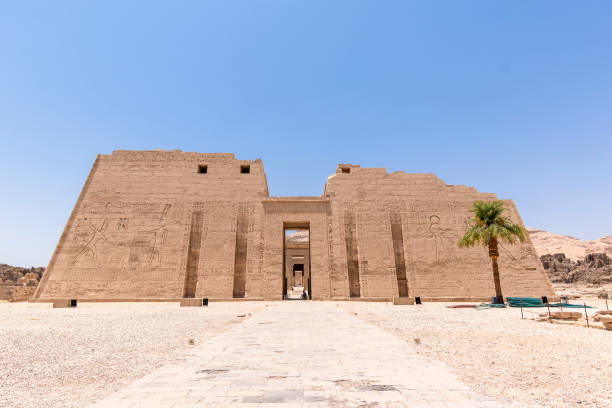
(296, 265)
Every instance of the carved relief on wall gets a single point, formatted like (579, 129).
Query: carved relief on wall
(526, 252)
(444, 239)
(123, 223)
(121, 237)
(89, 238)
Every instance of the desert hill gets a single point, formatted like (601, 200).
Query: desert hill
(13, 274)
(18, 284)
(297, 237)
(548, 243)
(575, 267)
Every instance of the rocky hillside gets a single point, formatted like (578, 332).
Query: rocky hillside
(591, 276)
(593, 269)
(297, 237)
(15, 274)
(575, 267)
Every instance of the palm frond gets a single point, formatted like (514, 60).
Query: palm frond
(488, 223)
(488, 211)
(473, 235)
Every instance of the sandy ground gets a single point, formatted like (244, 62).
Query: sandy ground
(582, 290)
(502, 356)
(72, 357)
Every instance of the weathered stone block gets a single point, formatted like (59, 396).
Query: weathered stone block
(192, 302)
(603, 318)
(62, 303)
(403, 301)
(22, 293)
(563, 315)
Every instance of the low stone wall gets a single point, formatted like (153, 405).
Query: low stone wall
(16, 293)
(6, 292)
(23, 293)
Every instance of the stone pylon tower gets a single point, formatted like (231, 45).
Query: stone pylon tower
(163, 225)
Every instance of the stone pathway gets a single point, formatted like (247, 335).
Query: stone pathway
(301, 354)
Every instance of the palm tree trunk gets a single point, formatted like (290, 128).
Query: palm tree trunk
(494, 254)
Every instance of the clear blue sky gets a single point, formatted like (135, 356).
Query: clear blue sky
(510, 97)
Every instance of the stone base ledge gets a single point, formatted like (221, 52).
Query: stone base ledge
(403, 301)
(63, 303)
(193, 302)
(259, 299)
(354, 299)
(253, 299)
(411, 299)
(456, 299)
(85, 300)
(143, 300)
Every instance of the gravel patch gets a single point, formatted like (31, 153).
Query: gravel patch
(502, 356)
(73, 357)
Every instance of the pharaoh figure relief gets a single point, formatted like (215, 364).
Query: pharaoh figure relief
(444, 240)
(113, 238)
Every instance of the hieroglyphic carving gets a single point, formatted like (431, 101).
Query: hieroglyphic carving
(261, 243)
(352, 255)
(240, 252)
(123, 223)
(330, 243)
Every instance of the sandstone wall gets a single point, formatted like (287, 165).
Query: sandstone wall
(411, 223)
(167, 225)
(22, 293)
(129, 233)
(6, 292)
(16, 293)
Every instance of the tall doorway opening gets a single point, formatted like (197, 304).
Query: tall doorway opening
(298, 274)
(296, 266)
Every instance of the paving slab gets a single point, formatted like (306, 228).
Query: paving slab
(302, 354)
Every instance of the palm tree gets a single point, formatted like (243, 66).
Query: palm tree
(488, 227)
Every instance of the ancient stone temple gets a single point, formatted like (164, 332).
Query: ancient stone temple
(167, 224)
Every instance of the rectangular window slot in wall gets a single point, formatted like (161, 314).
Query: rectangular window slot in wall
(203, 169)
(245, 169)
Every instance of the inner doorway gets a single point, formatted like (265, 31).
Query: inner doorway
(296, 266)
(298, 274)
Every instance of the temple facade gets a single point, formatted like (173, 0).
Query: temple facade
(164, 225)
